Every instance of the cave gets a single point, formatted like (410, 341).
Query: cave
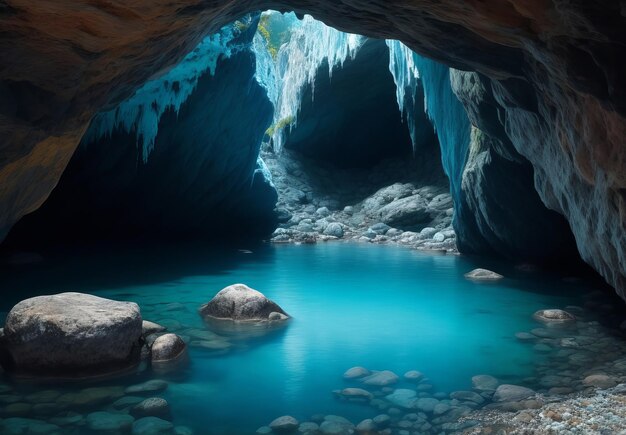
(312, 217)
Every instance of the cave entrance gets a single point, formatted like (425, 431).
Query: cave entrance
(344, 158)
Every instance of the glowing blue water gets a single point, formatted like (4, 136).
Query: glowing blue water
(376, 306)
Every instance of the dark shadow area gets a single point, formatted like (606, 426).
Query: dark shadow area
(200, 181)
(351, 119)
(91, 267)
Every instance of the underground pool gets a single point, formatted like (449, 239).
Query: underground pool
(383, 308)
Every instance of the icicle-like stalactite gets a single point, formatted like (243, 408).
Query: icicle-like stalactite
(141, 112)
(406, 77)
(443, 108)
(289, 53)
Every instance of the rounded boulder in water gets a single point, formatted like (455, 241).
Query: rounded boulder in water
(284, 424)
(72, 333)
(483, 275)
(239, 302)
(168, 347)
(554, 316)
(356, 372)
(381, 379)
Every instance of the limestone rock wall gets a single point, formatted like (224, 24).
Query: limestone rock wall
(501, 210)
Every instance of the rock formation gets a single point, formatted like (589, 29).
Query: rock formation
(501, 210)
(555, 69)
(239, 302)
(71, 333)
(167, 347)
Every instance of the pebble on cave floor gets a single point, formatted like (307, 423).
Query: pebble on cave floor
(376, 209)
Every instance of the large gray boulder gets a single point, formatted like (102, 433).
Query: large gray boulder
(409, 212)
(71, 332)
(240, 303)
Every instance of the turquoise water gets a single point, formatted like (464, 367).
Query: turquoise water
(382, 307)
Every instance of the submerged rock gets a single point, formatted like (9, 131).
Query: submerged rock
(336, 425)
(382, 420)
(381, 379)
(483, 275)
(152, 426)
(148, 328)
(402, 397)
(484, 383)
(441, 408)
(366, 426)
(274, 316)
(525, 336)
(356, 372)
(413, 376)
(168, 347)
(91, 396)
(512, 393)
(151, 407)
(554, 316)
(102, 421)
(240, 303)
(284, 424)
(601, 381)
(356, 393)
(126, 402)
(18, 425)
(72, 331)
(308, 427)
(151, 386)
(426, 404)
(467, 396)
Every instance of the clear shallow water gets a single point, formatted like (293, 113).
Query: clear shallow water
(382, 307)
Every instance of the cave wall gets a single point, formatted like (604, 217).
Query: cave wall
(201, 179)
(501, 210)
(556, 69)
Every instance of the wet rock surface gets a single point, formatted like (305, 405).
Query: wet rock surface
(554, 316)
(241, 303)
(71, 332)
(167, 347)
(483, 275)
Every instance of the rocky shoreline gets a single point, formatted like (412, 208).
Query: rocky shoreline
(318, 204)
(598, 412)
